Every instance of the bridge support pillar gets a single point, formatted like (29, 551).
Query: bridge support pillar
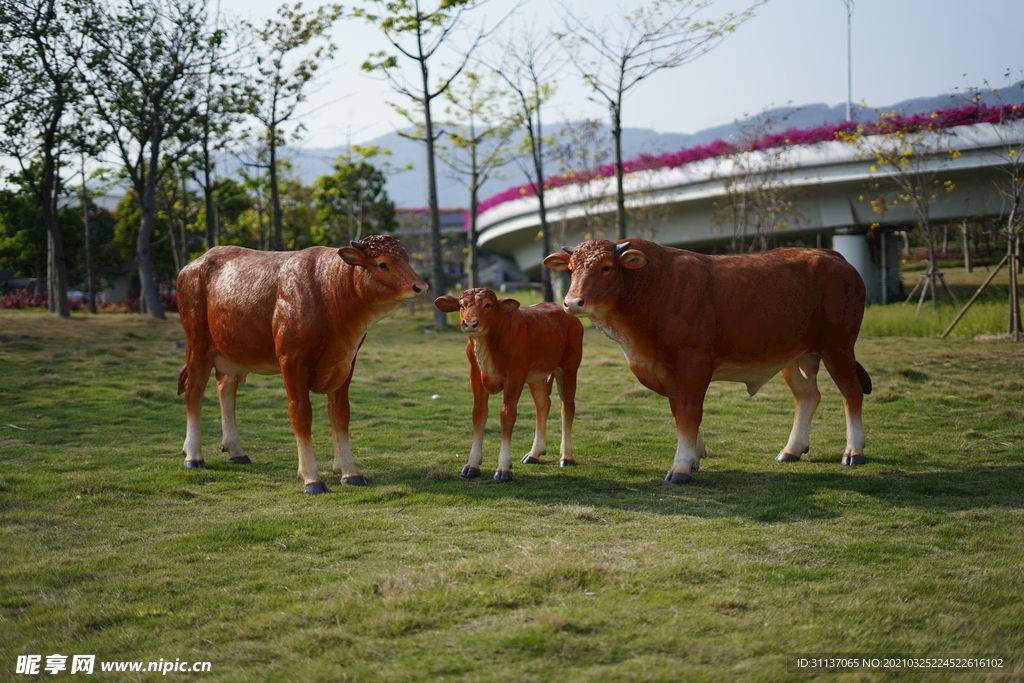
(876, 257)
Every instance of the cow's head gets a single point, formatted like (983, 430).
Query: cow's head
(384, 273)
(479, 309)
(597, 269)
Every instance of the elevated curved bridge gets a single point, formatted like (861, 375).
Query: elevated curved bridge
(676, 206)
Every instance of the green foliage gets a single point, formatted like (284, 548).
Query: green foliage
(602, 572)
(353, 202)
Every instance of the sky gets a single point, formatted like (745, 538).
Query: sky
(791, 52)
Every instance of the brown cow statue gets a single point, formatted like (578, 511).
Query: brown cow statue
(302, 314)
(685, 319)
(510, 347)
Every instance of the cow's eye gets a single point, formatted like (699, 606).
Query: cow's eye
(606, 269)
(382, 265)
(487, 305)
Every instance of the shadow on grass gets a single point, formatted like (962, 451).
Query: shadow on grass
(759, 496)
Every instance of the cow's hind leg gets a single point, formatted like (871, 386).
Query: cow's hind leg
(227, 389)
(847, 376)
(541, 392)
(801, 376)
(192, 382)
(566, 379)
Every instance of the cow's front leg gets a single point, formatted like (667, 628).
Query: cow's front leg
(480, 396)
(688, 409)
(567, 391)
(227, 389)
(541, 392)
(513, 390)
(301, 413)
(338, 409)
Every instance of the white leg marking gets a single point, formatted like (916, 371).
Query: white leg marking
(686, 459)
(227, 388)
(193, 441)
(307, 463)
(344, 464)
(505, 455)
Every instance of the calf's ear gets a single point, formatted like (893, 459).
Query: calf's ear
(353, 256)
(448, 303)
(632, 259)
(557, 262)
(507, 305)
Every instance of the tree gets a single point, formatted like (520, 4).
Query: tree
(758, 199)
(284, 85)
(39, 87)
(908, 154)
(1007, 124)
(148, 67)
(355, 196)
(479, 133)
(615, 57)
(417, 35)
(528, 64)
(579, 150)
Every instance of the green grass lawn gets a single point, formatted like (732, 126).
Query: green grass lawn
(603, 572)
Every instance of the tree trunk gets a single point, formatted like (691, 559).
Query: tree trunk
(620, 195)
(436, 257)
(57, 270)
(147, 282)
(211, 211)
(275, 199)
(474, 252)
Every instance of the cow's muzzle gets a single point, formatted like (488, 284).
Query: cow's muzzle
(575, 306)
(417, 292)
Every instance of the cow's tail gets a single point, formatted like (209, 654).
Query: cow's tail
(862, 376)
(183, 377)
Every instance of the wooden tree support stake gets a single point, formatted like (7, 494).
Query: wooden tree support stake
(974, 298)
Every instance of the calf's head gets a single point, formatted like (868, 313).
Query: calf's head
(383, 272)
(480, 310)
(597, 268)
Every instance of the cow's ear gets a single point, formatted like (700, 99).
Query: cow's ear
(632, 259)
(557, 262)
(448, 303)
(508, 305)
(353, 256)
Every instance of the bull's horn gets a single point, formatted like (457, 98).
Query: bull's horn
(358, 244)
(567, 250)
(620, 248)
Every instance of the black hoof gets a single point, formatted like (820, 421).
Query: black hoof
(315, 488)
(195, 464)
(241, 460)
(854, 460)
(567, 462)
(787, 457)
(530, 460)
(678, 478)
(501, 476)
(357, 480)
(470, 472)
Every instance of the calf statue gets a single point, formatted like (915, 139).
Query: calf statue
(302, 315)
(510, 347)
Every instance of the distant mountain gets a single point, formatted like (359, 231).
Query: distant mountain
(408, 188)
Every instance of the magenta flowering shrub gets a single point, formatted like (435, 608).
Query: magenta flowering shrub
(827, 132)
